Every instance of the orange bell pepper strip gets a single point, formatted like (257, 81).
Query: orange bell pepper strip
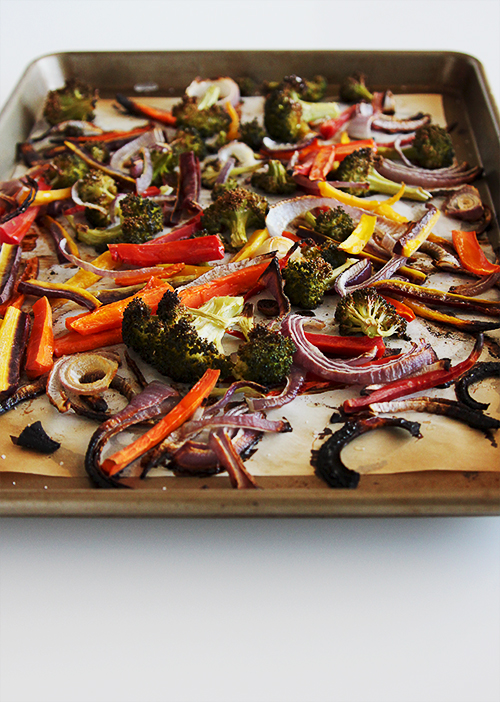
(110, 316)
(167, 272)
(471, 255)
(73, 342)
(323, 163)
(400, 307)
(233, 131)
(40, 349)
(172, 421)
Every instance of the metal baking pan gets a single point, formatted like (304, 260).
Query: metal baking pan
(467, 100)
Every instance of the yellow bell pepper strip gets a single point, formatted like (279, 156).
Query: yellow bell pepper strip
(13, 336)
(84, 279)
(234, 126)
(118, 175)
(412, 273)
(40, 288)
(255, 240)
(183, 410)
(471, 255)
(375, 206)
(417, 233)
(470, 326)
(45, 197)
(356, 242)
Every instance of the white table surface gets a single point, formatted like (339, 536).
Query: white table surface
(387, 610)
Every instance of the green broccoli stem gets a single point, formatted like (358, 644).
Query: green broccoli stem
(99, 237)
(312, 111)
(382, 185)
(239, 229)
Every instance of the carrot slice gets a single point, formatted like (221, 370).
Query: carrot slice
(40, 349)
(172, 421)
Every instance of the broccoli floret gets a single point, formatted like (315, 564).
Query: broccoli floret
(74, 101)
(307, 280)
(315, 89)
(252, 133)
(140, 219)
(248, 86)
(333, 223)
(67, 168)
(329, 251)
(265, 358)
(98, 151)
(169, 342)
(234, 212)
(358, 167)
(353, 89)
(207, 122)
(287, 116)
(432, 147)
(100, 189)
(275, 180)
(366, 311)
(219, 188)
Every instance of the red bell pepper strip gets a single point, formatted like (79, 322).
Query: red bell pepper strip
(408, 386)
(402, 309)
(40, 349)
(330, 127)
(348, 346)
(471, 254)
(343, 150)
(204, 248)
(184, 409)
(183, 232)
(14, 230)
(323, 163)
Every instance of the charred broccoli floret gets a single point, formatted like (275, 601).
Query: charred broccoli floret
(169, 342)
(248, 86)
(140, 219)
(220, 188)
(266, 357)
(333, 223)
(74, 101)
(207, 122)
(365, 311)
(358, 167)
(309, 90)
(165, 160)
(307, 280)
(287, 116)
(329, 251)
(252, 133)
(275, 180)
(98, 151)
(353, 89)
(432, 147)
(234, 212)
(66, 169)
(100, 189)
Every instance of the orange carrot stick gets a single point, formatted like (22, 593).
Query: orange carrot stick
(77, 343)
(172, 421)
(110, 316)
(40, 349)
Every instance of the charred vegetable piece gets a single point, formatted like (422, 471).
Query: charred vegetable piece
(266, 358)
(234, 212)
(487, 369)
(26, 392)
(433, 147)
(465, 204)
(39, 288)
(35, 437)
(10, 258)
(327, 461)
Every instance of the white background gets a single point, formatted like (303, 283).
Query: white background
(403, 610)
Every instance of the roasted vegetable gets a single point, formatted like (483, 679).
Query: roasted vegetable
(334, 223)
(307, 280)
(275, 180)
(432, 147)
(74, 101)
(234, 213)
(140, 219)
(100, 189)
(66, 169)
(169, 342)
(252, 133)
(265, 358)
(353, 89)
(365, 311)
(287, 116)
(358, 167)
(207, 122)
